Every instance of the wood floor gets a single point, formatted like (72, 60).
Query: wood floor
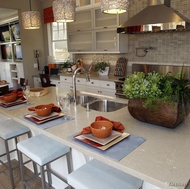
(5, 181)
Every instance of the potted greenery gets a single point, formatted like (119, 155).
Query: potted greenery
(102, 67)
(158, 99)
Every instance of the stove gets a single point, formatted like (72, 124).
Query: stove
(119, 86)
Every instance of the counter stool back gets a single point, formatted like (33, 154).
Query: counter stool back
(43, 150)
(10, 129)
(97, 175)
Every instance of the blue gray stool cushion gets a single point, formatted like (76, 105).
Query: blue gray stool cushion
(97, 175)
(42, 149)
(11, 128)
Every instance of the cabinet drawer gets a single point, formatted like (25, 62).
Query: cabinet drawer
(108, 84)
(66, 79)
(93, 82)
(80, 81)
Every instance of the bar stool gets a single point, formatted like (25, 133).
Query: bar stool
(95, 174)
(10, 129)
(43, 150)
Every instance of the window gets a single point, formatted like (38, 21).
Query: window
(57, 37)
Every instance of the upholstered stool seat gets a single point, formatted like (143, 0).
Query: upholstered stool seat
(43, 150)
(10, 129)
(97, 175)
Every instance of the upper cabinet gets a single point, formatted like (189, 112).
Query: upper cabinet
(10, 43)
(96, 32)
(86, 4)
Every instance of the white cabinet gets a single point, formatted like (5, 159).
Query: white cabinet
(66, 82)
(86, 4)
(94, 86)
(11, 72)
(101, 87)
(81, 84)
(95, 32)
(56, 82)
(80, 41)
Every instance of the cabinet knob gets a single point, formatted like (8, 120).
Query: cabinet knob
(92, 82)
(108, 85)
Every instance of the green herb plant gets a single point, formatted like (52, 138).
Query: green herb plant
(156, 88)
(100, 66)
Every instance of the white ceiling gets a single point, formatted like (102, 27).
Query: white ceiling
(7, 13)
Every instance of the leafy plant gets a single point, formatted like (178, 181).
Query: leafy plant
(156, 87)
(100, 66)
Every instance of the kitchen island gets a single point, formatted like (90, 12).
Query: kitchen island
(162, 160)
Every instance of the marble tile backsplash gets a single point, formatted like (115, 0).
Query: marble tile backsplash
(173, 47)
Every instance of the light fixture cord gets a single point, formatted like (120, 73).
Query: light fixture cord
(30, 5)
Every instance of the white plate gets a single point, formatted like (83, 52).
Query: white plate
(103, 141)
(53, 114)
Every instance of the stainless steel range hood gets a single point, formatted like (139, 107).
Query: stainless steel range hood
(158, 11)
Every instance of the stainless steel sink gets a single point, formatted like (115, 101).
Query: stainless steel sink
(105, 105)
(83, 99)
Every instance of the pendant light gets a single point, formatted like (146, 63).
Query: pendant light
(64, 10)
(31, 19)
(114, 6)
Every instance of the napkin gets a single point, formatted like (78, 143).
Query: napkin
(117, 126)
(19, 94)
(54, 108)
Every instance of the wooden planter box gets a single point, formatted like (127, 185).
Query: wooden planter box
(166, 115)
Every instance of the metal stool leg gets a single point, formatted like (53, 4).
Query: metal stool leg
(34, 165)
(43, 177)
(49, 174)
(22, 169)
(9, 164)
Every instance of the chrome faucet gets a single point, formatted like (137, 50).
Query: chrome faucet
(74, 83)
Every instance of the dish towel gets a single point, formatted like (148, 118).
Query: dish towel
(117, 126)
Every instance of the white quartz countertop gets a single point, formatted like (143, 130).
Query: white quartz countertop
(162, 160)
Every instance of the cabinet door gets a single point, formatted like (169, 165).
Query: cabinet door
(93, 83)
(83, 4)
(55, 82)
(66, 79)
(2, 72)
(110, 41)
(20, 70)
(108, 85)
(83, 22)
(66, 86)
(81, 84)
(108, 92)
(102, 21)
(80, 42)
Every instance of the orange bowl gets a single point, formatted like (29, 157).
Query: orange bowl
(43, 110)
(101, 129)
(11, 97)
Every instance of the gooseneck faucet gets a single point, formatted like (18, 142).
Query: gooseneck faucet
(74, 83)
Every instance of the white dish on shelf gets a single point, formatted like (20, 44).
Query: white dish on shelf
(103, 141)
